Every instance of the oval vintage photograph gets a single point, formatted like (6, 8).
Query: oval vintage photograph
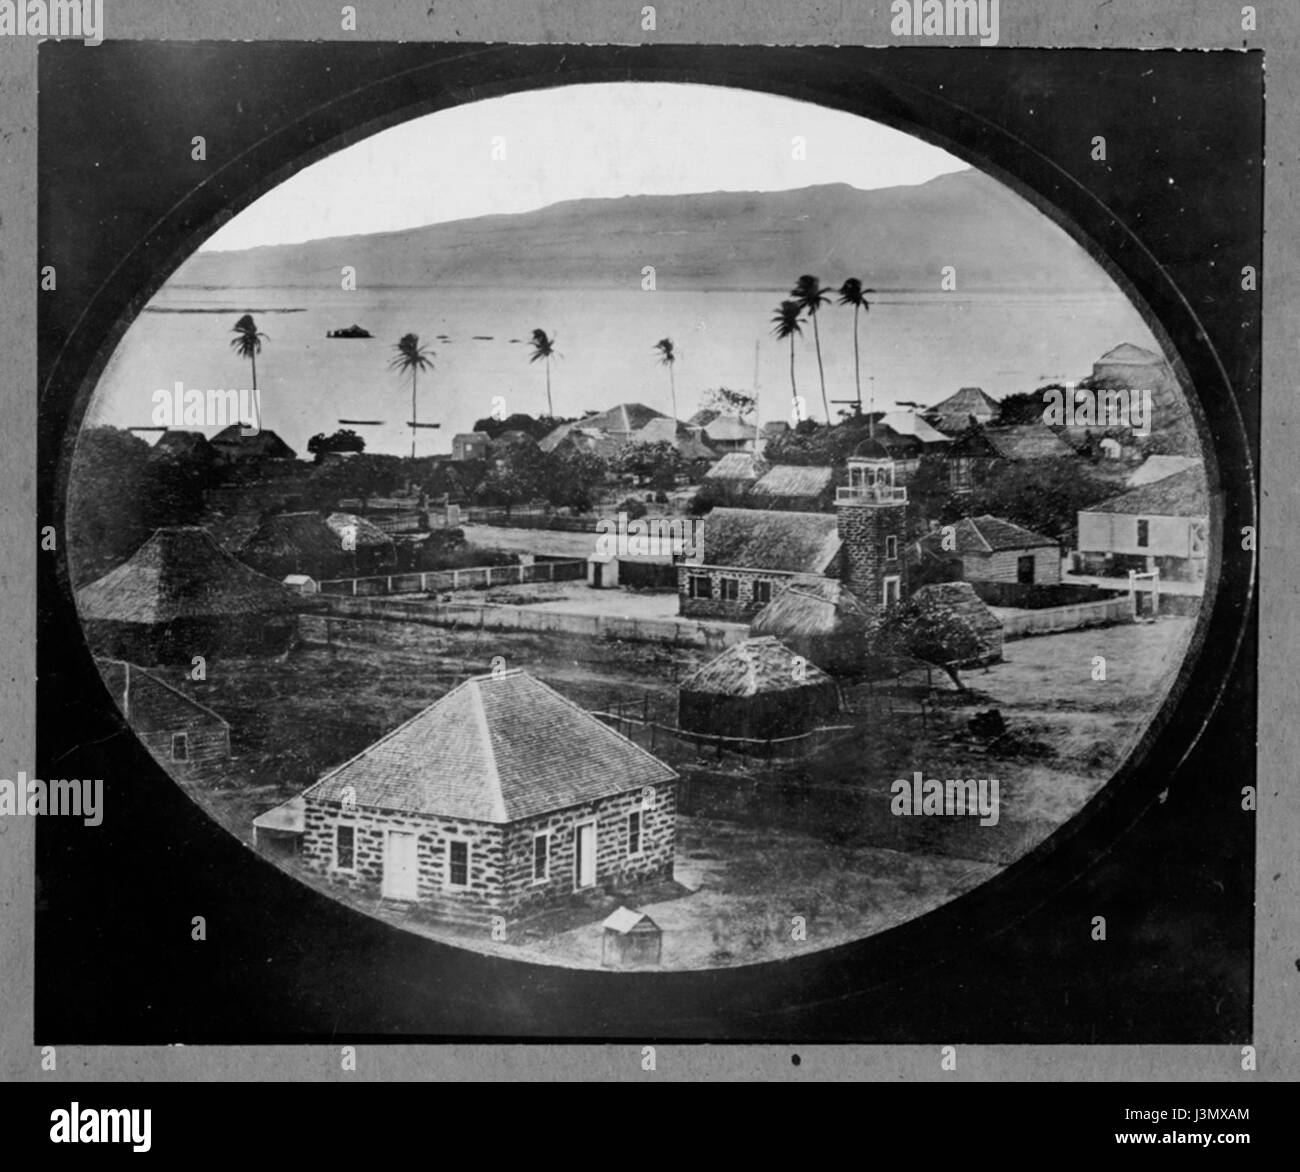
(640, 526)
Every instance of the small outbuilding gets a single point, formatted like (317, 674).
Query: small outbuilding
(185, 737)
(630, 939)
(759, 689)
(181, 595)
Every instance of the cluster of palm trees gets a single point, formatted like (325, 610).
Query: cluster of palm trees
(807, 297)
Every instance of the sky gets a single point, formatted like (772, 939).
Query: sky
(524, 151)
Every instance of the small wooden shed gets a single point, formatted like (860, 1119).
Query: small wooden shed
(630, 938)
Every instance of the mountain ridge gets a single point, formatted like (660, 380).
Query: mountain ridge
(891, 237)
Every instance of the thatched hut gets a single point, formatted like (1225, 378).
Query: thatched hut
(823, 621)
(342, 545)
(180, 595)
(959, 600)
(759, 689)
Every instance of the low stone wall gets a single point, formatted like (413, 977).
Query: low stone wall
(679, 632)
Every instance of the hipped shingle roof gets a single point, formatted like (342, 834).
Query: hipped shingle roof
(494, 749)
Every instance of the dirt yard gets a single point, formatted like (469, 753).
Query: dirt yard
(790, 852)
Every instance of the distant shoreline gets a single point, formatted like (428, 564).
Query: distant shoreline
(189, 309)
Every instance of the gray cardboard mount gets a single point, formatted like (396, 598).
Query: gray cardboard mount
(1149, 24)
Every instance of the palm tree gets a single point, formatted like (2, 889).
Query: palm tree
(786, 324)
(810, 297)
(544, 350)
(248, 342)
(852, 293)
(415, 358)
(666, 358)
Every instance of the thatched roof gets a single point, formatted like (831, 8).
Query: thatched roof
(184, 443)
(736, 466)
(495, 749)
(960, 598)
(265, 445)
(1180, 495)
(178, 574)
(293, 535)
(367, 534)
(795, 480)
(769, 539)
(762, 665)
(1127, 354)
(1026, 441)
(968, 401)
(626, 417)
(729, 428)
(818, 608)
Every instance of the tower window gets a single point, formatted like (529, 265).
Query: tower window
(891, 548)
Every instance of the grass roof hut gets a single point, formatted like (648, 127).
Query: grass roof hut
(823, 621)
(759, 689)
(307, 543)
(180, 595)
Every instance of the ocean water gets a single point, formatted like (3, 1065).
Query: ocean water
(918, 347)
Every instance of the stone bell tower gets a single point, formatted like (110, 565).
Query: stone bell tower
(872, 523)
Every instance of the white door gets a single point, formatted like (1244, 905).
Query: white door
(585, 856)
(401, 865)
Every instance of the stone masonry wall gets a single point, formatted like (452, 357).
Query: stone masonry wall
(479, 901)
(863, 529)
(744, 608)
(615, 868)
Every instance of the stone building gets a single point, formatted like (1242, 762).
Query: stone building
(749, 556)
(501, 799)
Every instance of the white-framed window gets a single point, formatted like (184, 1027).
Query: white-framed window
(890, 589)
(763, 592)
(730, 589)
(345, 847)
(698, 586)
(180, 746)
(891, 548)
(457, 863)
(634, 833)
(541, 857)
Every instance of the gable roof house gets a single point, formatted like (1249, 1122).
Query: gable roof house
(757, 689)
(181, 595)
(500, 799)
(991, 549)
(749, 556)
(186, 738)
(795, 488)
(1162, 525)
